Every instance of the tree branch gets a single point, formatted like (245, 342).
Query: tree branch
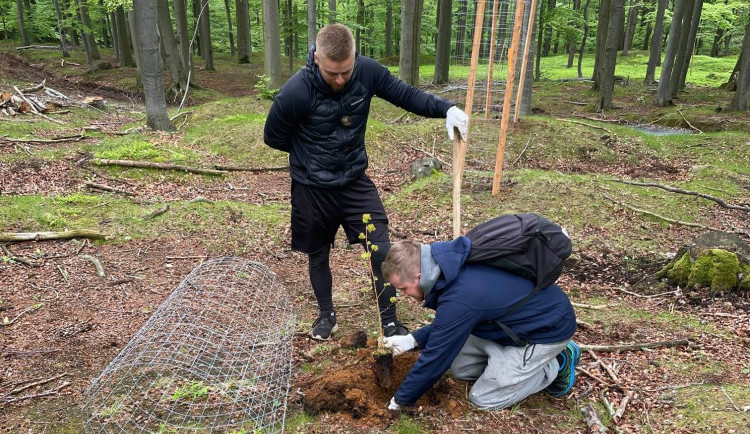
(681, 191)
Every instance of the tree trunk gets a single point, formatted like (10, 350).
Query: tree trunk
(601, 40)
(663, 95)
(271, 44)
(83, 12)
(572, 43)
(528, 80)
(548, 31)
(126, 53)
(655, 52)
(443, 50)
(21, 27)
(331, 11)
(607, 76)
(358, 44)
(585, 36)
(287, 27)
(103, 17)
(244, 46)
(740, 101)
(60, 29)
(204, 26)
(115, 37)
(539, 33)
(683, 50)
(151, 68)
(693, 33)
(312, 22)
(411, 19)
(136, 46)
(389, 29)
(635, 6)
(86, 41)
(183, 35)
(171, 51)
(717, 42)
(229, 26)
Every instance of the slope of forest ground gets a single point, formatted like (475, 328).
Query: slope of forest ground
(65, 323)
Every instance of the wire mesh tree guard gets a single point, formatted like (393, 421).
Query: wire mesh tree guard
(493, 39)
(216, 356)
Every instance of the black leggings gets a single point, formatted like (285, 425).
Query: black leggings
(322, 282)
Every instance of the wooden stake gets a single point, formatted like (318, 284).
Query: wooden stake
(526, 49)
(490, 66)
(512, 57)
(460, 155)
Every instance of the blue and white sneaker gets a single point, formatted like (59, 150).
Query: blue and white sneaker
(568, 359)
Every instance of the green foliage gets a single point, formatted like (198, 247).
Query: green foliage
(135, 150)
(263, 88)
(192, 391)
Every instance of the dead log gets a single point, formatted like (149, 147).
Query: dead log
(687, 192)
(44, 236)
(108, 188)
(250, 169)
(592, 419)
(152, 165)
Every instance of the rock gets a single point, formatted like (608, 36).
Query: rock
(424, 167)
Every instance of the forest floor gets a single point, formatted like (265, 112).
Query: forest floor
(62, 324)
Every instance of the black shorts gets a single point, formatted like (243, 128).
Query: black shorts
(317, 214)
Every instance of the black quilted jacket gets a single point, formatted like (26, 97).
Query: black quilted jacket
(324, 130)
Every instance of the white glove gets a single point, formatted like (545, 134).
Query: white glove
(393, 405)
(400, 344)
(456, 118)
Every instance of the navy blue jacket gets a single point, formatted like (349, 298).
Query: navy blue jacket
(466, 298)
(306, 120)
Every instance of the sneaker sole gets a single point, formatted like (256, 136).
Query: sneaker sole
(320, 338)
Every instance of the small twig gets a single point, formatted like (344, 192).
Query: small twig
(592, 420)
(75, 138)
(172, 258)
(576, 102)
(585, 124)
(522, 151)
(199, 199)
(676, 292)
(605, 366)
(97, 264)
(157, 212)
(590, 306)
(25, 311)
(688, 122)
(635, 347)
(36, 383)
(687, 192)
(730, 399)
(55, 391)
(667, 219)
(108, 188)
(623, 404)
(594, 376)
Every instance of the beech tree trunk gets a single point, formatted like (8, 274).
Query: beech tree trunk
(171, 52)
(443, 49)
(244, 46)
(83, 13)
(740, 101)
(61, 29)
(271, 43)
(144, 12)
(389, 29)
(692, 34)
(312, 22)
(204, 28)
(683, 51)
(585, 36)
(601, 40)
(635, 6)
(411, 24)
(663, 95)
(21, 27)
(123, 44)
(115, 37)
(331, 11)
(655, 52)
(607, 76)
(183, 35)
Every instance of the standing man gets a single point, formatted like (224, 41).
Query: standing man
(467, 299)
(319, 117)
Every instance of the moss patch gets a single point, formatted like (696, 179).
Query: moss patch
(717, 269)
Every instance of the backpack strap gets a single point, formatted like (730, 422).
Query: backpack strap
(518, 341)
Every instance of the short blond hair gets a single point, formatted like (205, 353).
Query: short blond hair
(403, 260)
(335, 42)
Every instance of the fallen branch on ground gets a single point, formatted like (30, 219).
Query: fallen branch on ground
(75, 138)
(107, 188)
(35, 383)
(8, 400)
(635, 347)
(43, 236)
(687, 192)
(250, 169)
(605, 366)
(522, 151)
(152, 165)
(592, 419)
(688, 122)
(667, 219)
(97, 264)
(623, 404)
(590, 306)
(156, 212)
(585, 124)
(24, 312)
(19, 259)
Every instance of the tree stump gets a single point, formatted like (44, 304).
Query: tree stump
(716, 260)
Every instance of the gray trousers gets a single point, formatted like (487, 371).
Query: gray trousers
(505, 375)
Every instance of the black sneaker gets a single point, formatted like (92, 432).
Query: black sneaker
(569, 358)
(324, 326)
(395, 328)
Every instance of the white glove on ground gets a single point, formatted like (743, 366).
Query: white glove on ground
(393, 405)
(456, 118)
(400, 344)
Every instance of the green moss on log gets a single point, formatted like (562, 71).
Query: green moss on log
(717, 269)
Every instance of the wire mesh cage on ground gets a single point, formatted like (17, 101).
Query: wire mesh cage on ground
(215, 357)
